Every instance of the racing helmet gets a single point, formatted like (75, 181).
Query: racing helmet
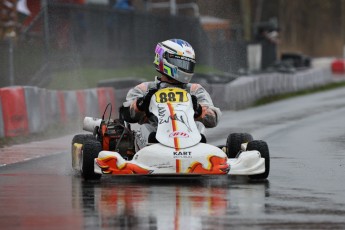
(175, 58)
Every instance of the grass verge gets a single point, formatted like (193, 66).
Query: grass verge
(89, 77)
(284, 96)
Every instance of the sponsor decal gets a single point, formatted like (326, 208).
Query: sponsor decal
(162, 165)
(179, 134)
(189, 52)
(182, 154)
(174, 117)
(172, 95)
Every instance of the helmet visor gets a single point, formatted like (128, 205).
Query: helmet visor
(184, 63)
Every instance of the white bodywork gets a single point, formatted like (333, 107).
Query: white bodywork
(179, 150)
(247, 163)
(160, 159)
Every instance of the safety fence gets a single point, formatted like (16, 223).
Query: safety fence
(244, 91)
(25, 109)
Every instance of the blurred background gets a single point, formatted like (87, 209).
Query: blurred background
(75, 44)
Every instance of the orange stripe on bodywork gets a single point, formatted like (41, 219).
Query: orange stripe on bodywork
(217, 165)
(174, 126)
(178, 166)
(108, 165)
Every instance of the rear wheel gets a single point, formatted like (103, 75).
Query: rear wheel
(89, 152)
(234, 141)
(262, 147)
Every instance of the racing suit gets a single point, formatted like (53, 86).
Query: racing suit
(210, 114)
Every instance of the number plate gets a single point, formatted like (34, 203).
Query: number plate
(172, 95)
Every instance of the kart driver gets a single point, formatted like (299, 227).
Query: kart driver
(175, 61)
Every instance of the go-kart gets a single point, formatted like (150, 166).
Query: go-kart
(175, 148)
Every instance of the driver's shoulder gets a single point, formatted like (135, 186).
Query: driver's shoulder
(193, 87)
(144, 86)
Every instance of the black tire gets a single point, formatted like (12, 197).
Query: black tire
(90, 151)
(79, 139)
(234, 141)
(262, 147)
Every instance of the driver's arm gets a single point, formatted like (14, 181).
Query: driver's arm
(210, 114)
(131, 102)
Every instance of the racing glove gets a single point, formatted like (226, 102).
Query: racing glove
(196, 106)
(144, 102)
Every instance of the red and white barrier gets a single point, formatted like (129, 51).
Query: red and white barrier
(338, 66)
(29, 109)
(62, 107)
(105, 96)
(71, 105)
(35, 104)
(14, 111)
(2, 131)
(52, 110)
(81, 102)
(26, 110)
(91, 100)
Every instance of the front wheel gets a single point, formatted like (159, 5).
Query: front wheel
(90, 151)
(77, 143)
(234, 141)
(262, 147)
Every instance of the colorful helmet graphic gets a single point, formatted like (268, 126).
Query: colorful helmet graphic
(175, 58)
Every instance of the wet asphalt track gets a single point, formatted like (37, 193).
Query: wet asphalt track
(305, 189)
